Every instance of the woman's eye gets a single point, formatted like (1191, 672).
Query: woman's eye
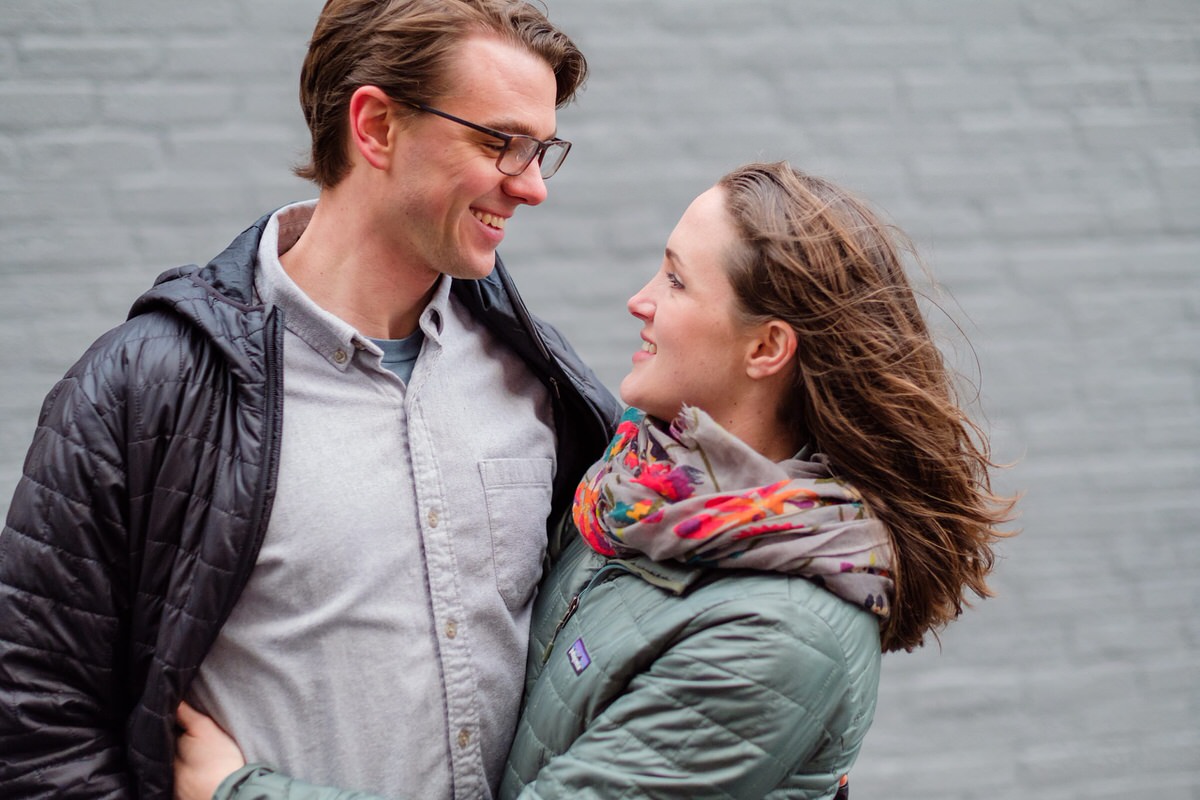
(673, 279)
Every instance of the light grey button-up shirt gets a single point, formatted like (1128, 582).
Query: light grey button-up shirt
(380, 643)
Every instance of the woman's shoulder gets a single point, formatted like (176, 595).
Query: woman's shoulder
(769, 638)
(787, 616)
(772, 594)
(709, 611)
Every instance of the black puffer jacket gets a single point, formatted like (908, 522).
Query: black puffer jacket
(145, 497)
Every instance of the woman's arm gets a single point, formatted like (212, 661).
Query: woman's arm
(259, 782)
(209, 764)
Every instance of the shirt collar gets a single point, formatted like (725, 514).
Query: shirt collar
(433, 318)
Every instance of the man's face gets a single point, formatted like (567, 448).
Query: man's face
(448, 204)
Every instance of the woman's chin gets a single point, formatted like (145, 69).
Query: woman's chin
(626, 391)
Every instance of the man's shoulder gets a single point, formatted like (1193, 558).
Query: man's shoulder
(496, 301)
(173, 325)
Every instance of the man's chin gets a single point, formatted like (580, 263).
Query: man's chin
(472, 271)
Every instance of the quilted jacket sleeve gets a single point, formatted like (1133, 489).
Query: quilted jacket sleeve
(739, 707)
(259, 782)
(61, 599)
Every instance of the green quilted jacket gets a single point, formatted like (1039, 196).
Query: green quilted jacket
(654, 680)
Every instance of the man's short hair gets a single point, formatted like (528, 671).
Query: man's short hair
(404, 47)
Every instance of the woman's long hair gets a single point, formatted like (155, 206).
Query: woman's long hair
(871, 389)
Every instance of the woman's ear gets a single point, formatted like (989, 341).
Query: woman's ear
(371, 125)
(771, 349)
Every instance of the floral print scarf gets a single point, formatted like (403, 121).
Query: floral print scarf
(693, 492)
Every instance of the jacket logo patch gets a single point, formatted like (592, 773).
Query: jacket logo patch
(578, 656)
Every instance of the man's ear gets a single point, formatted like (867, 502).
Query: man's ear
(372, 126)
(771, 349)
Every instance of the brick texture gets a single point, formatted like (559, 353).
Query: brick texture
(1044, 156)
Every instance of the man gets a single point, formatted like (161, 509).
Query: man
(324, 463)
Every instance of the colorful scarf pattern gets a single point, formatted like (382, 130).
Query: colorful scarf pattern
(693, 492)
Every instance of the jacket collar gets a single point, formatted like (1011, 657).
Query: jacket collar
(674, 577)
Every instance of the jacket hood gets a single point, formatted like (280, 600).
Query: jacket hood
(218, 300)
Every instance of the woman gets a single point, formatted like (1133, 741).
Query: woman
(793, 490)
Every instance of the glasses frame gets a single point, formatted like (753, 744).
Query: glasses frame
(508, 138)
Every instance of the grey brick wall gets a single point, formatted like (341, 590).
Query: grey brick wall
(1044, 155)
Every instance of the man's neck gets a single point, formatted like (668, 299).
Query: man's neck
(342, 264)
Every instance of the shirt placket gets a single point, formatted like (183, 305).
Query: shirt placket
(459, 684)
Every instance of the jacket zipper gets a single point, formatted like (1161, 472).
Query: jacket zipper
(526, 318)
(603, 574)
(271, 435)
(572, 607)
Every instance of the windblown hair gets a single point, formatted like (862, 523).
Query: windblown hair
(871, 390)
(405, 47)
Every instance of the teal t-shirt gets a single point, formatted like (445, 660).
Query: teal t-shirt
(400, 355)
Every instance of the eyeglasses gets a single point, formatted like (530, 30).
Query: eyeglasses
(519, 150)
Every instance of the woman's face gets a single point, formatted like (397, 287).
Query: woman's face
(693, 345)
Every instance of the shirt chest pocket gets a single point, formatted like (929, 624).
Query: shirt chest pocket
(517, 492)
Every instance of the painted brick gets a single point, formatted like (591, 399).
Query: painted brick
(8, 56)
(8, 162)
(180, 103)
(170, 18)
(1084, 85)
(938, 89)
(87, 154)
(1144, 45)
(1176, 85)
(1016, 48)
(1107, 130)
(43, 15)
(28, 107)
(112, 58)
(229, 57)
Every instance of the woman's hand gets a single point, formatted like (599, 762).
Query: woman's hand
(205, 756)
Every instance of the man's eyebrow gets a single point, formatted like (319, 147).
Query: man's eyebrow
(516, 126)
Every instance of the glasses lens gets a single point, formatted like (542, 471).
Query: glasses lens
(553, 157)
(518, 155)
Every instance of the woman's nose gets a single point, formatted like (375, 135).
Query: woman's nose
(641, 305)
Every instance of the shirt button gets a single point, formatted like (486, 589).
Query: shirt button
(340, 356)
(433, 519)
(464, 737)
(451, 629)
